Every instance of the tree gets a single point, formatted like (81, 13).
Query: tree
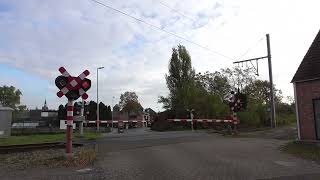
(10, 96)
(239, 78)
(22, 107)
(92, 109)
(109, 112)
(103, 111)
(259, 90)
(129, 103)
(214, 83)
(180, 81)
(62, 112)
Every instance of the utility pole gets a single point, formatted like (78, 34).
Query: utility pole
(273, 111)
(272, 103)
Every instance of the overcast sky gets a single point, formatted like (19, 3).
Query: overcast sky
(37, 37)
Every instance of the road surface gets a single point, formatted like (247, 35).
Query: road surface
(142, 154)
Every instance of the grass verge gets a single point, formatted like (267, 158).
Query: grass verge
(306, 151)
(83, 157)
(35, 139)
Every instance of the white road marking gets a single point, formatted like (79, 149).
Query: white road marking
(285, 163)
(84, 170)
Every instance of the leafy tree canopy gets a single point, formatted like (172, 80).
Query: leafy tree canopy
(129, 103)
(10, 96)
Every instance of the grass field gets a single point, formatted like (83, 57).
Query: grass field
(34, 139)
(305, 151)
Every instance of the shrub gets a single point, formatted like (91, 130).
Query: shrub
(160, 125)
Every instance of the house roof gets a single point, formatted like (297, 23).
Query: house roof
(309, 68)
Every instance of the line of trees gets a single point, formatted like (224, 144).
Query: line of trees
(207, 93)
(128, 103)
(90, 110)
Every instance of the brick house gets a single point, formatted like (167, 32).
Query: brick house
(306, 84)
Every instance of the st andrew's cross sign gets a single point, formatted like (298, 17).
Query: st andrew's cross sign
(73, 87)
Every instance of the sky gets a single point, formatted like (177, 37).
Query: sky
(37, 37)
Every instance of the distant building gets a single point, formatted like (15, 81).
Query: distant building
(306, 83)
(136, 118)
(35, 117)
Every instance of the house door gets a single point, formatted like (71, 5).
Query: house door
(316, 108)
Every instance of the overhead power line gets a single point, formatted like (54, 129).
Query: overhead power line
(250, 48)
(195, 21)
(161, 29)
(177, 11)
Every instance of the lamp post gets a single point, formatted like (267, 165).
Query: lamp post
(98, 128)
(112, 113)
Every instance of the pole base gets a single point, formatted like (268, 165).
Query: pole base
(68, 156)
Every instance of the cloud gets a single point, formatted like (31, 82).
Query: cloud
(38, 37)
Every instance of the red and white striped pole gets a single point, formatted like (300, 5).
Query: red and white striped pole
(69, 128)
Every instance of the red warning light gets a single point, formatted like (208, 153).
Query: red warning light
(85, 85)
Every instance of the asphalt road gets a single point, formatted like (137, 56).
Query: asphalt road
(141, 154)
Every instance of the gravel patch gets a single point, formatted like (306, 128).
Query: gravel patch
(52, 158)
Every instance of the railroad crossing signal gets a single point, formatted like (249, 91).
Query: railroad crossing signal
(73, 87)
(238, 101)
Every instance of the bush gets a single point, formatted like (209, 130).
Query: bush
(160, 125)
(256, 115)
(285, 119)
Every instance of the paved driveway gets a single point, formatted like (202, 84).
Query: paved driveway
(142, 154)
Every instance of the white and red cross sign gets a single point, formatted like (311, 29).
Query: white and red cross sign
(73, 87)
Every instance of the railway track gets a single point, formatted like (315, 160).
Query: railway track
(32, 147)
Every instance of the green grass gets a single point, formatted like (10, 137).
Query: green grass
(88, 136)
(302, 150)
(35, 139)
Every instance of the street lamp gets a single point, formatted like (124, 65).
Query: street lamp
(98, 128)
(112, 113)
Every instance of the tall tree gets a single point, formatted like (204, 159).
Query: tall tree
(103, 111)
(238, 77)
(92, 110)
(180, 80)
(10, 96)
(259, 90)
(129, 103)
(109, 113)
(214, 83)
